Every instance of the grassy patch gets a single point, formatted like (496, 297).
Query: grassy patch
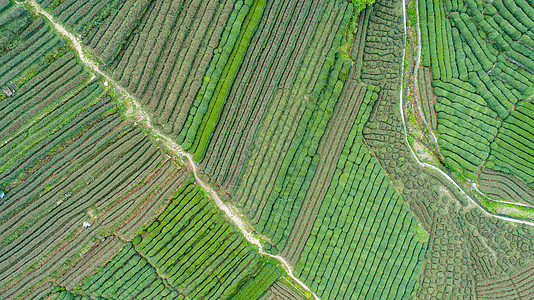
(512, 210)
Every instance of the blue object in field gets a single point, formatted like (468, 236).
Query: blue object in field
(2, 194)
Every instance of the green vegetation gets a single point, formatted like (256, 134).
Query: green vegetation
(254, 288)
(507, 209)
(477, 97)
(214, 95)
(196, 249)
(291, 112)
(361, 4)
(360, 190)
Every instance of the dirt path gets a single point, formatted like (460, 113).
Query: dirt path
(401, 106)
(136, 111)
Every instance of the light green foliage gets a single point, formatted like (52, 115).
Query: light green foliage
(361, 4)
(125, 276)
(256, 286)
(196, 249)
(360, 228)
(513, 148)
(210, 101)
(508, 209)
(423, 235)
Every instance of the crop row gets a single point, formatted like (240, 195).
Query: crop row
(15, 23)
(380, 49)
(435, 44)
(470, 139)
(128, 276)
(427, 97)
(354, 107)
(158, 50)
(256, 154)
(255, 287)
(62, 216)
(512, 149)
(195, 248)
(292, 179)
(125, 202)
(506, 186)
(516, 284)
(488, 42)
(10, 12)
(208, 105)
(64, 295)
(279, 290)
(254, 94)
(175, 84)
(96, 256)
(142, 50)
(5, 4)
(66, 157)
(360, 203)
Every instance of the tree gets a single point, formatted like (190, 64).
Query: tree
(360, 4)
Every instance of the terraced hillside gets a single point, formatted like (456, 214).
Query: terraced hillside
(79, 181)
(480, 58)
(290, 112)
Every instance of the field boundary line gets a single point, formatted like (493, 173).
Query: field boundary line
(136, 111)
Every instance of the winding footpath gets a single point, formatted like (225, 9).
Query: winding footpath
(136, 111)
(401, 106)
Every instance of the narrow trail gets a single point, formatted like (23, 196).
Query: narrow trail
(137, 111)
(416, 72)
(423, 164)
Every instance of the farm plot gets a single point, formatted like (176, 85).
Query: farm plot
(66, 158)
(127, 276)
(506, 186)
(196, 249)
(287, 108)
(76, 178)
(465, 245)
(283, 126)
(179, 58)
(254, 288)
(292, 137)
(280, 291)
(512, 151)
(363, 243)
(190, 251)
(428, 99)
(516, 285)
(481, 57)
(275, 109)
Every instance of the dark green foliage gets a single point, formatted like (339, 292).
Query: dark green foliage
(512, 151)
(196, 249)
(337, 260)
(485, 52)
(218, 81)
(257, 285)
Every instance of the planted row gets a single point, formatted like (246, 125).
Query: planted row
(198, 251)
(511, 152)
(361, 211)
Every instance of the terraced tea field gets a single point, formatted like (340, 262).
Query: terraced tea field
(252, 149)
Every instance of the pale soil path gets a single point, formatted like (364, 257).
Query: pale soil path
(135, 111)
